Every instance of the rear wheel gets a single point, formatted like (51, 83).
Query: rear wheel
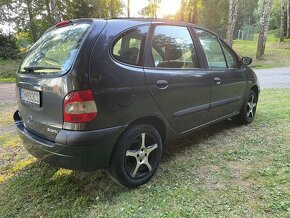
(248, 109)
(136, 156)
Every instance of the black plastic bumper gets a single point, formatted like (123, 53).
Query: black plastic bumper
(76, 150)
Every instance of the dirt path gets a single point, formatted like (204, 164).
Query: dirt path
(7, 93)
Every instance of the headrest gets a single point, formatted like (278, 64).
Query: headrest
(172, 52)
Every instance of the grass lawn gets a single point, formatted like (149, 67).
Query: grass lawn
(8, 69)
(276, 54)
(223, 170)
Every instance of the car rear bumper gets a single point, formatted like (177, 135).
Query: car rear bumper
(76, 150)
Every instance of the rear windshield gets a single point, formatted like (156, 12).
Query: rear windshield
(55, 51)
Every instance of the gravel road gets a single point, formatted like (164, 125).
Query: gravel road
(269, 78)
(7, 93)
(274, 78)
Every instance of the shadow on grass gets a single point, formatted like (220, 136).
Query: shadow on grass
(40, 189)
(195, 138)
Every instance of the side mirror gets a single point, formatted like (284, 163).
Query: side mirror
(246, 60)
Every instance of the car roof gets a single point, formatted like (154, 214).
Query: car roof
(150, 20)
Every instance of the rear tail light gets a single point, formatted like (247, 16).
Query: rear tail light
(79, 107)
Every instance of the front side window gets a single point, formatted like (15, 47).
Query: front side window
(55, 51)
(230, 56)
(172, 47)
(128, 47)
(212, 49)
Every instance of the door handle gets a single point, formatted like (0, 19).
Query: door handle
(217, 80)
(162, 84)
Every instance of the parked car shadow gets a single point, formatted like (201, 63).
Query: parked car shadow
(193, 139)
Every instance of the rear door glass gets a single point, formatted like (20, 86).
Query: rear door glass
(172, 47)
(56, 50)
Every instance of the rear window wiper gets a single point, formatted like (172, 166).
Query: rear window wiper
(32, 68)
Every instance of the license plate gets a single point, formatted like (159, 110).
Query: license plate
(30, 96)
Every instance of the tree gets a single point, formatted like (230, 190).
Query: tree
(214, 18)
(264, 25)
(282, 24)
(151, 9)
(232, 20)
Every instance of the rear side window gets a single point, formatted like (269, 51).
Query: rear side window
(130, 45)
(172, 47)
(212, 49)
(56, 50)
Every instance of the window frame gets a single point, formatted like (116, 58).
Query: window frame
(142, 48)
(149, 60)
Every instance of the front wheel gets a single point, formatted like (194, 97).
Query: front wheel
(248, 109)
(136, 156)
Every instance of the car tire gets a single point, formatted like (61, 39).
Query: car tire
(248, 110)
(136, 156)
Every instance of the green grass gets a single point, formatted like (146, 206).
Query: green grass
(276, 54)
(223, 170)
(8, 69)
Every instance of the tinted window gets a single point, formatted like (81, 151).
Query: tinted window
(230, 56)
(55, 51)
(212, 49)
(128, 47)
(172, 47)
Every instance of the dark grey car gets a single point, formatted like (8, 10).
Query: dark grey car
(110, 93)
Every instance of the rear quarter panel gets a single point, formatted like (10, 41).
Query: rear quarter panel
(120, 90)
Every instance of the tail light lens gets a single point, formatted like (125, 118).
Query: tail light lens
(79, 107)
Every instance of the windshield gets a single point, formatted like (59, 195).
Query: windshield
(55, 51)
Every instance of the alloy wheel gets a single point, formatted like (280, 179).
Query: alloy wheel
(251, 107)
(141, 156)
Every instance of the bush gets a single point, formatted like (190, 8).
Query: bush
(8, 47)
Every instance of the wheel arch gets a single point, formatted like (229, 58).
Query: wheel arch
(255, 88)
(154, 121)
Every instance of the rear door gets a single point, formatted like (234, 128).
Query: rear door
(176, 78)
(43, 79)
(228, 81)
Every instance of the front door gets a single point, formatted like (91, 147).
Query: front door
(227, 79)
(178, 84)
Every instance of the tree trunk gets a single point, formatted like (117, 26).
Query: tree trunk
(269, 10)
(232, 20)
(182, 10)
(54, 10)
(128, 8)
(288, 20)
(264, 24)
(32, 26)
(195, 12)
(282, 21)
(47, 5)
